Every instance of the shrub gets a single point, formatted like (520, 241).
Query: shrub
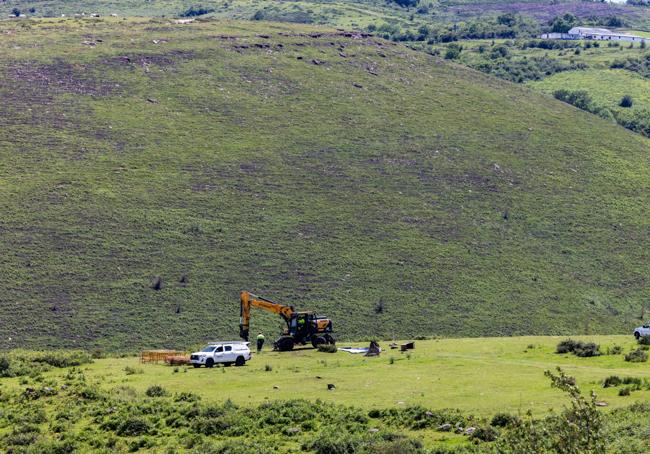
(637, 356)
(196, 11)
(186, 397)
(612, 381)
(488, 433)
(268, 368)
(504, 420)
(567, 345)
(626, 101)
(586, 350)
(577, 98)
(5, 366)
(156, 391)
(616, 350)
(133, 370)
(581, 349)
(624, 392)
(133, 426)
(578, 429)
(644, 340)
(453, 51)
(327, 348)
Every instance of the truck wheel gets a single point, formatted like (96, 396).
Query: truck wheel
(637, 335)
(316, 341)
(196, 366)
(240, 361)
(284, 344)
(209, 363)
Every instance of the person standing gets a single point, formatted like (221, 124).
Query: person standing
(260, 342)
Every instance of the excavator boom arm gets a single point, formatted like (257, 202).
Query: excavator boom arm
(247, 300)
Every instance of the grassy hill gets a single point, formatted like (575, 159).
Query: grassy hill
(343, 13)
(329, 170)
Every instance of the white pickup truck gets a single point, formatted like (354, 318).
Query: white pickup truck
(226, 353)
(642, 331)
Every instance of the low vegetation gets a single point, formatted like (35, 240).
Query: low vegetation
(578, 348)
(17, 363)
(93, 408)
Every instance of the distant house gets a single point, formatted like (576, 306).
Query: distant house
(599, 34)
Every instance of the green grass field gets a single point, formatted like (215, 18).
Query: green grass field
(216, 151)
(606, 86)
(469, 380)
(481, 376)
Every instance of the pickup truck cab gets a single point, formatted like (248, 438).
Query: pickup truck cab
(642, 331)
(226, 353)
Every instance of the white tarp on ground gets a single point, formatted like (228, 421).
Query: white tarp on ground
(354, 350)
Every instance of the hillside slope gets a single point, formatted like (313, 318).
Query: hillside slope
(337, 172)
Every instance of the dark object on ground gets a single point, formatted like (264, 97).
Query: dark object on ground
(330, 386)
(637, 356)
(157, 283)
(373, 350)
(578, 348)
(407, 346)
(327, 348)
(177, 360)
(393, 345)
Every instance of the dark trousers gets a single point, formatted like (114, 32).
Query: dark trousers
(260, 344)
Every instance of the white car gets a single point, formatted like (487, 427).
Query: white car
(226, 353)
(642, 331)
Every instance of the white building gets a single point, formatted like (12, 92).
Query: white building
(599, 34)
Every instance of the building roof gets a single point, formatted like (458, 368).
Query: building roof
(590, 31)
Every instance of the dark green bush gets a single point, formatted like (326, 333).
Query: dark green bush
(417, 417)
(612, 381)
(193, 11)
(616, 350)
(626, 101)
(186, 397)
(566, 346)
(578, 348)
(133, 426)
(624, 392)
(585, 350)
(636, 356)
(453, 51)
(644, 340)
(156, 391)
(504, 420)
(487, 433)
(327, 348)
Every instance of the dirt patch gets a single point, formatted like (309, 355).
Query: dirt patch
(57, 78)
(161, 60)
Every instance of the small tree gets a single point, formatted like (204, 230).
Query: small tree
(578, 429)
(453, 51)
(626, 101)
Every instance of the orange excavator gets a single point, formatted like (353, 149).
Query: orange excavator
(302, 327)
